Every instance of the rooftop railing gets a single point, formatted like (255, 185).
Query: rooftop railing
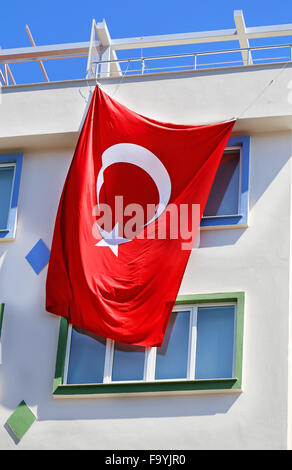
(105, 57)
(197, 61)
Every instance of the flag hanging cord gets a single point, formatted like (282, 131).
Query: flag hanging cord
(262, 91)
(101, 87)
(215, 122)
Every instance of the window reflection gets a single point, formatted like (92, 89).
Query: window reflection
(87, 356)
(128, 362)
(171, 360)
(224, 194)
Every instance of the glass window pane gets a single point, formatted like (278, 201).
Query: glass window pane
(172, 356)
(215, 338)
(223, 198)
(87, 356)
(128, 362)
(6, 180)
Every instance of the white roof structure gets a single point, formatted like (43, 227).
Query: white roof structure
(103, 61)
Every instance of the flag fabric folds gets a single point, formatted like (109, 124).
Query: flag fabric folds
(116, 274)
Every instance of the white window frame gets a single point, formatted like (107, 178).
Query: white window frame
(150, 353)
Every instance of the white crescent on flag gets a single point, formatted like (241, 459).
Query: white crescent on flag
(147, 161)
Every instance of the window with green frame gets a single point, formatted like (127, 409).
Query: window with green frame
(202, 350)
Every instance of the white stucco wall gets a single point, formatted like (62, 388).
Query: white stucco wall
(255, 260)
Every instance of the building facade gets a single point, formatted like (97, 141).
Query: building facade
(240, 272)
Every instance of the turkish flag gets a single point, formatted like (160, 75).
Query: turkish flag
(115, 273)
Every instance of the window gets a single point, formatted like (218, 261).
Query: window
(202, 350)
(10, 171)
(227, 205)
(6, 183)
(1, 322)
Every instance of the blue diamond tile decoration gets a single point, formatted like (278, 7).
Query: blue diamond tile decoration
(38, 257)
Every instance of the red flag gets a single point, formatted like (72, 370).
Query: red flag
(99, 277)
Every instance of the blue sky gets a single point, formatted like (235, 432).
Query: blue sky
(59, 21)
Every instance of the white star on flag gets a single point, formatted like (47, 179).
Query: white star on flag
(111, 239)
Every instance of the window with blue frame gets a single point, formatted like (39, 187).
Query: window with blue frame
(227, 205)
(10, 173)
(202, 344)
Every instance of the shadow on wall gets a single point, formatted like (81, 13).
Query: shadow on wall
(136, 407)
(269, 154)
(11, 434)
(216, 238)
(29, 354)
(86, 95)
(28, 364)
(29, 345)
